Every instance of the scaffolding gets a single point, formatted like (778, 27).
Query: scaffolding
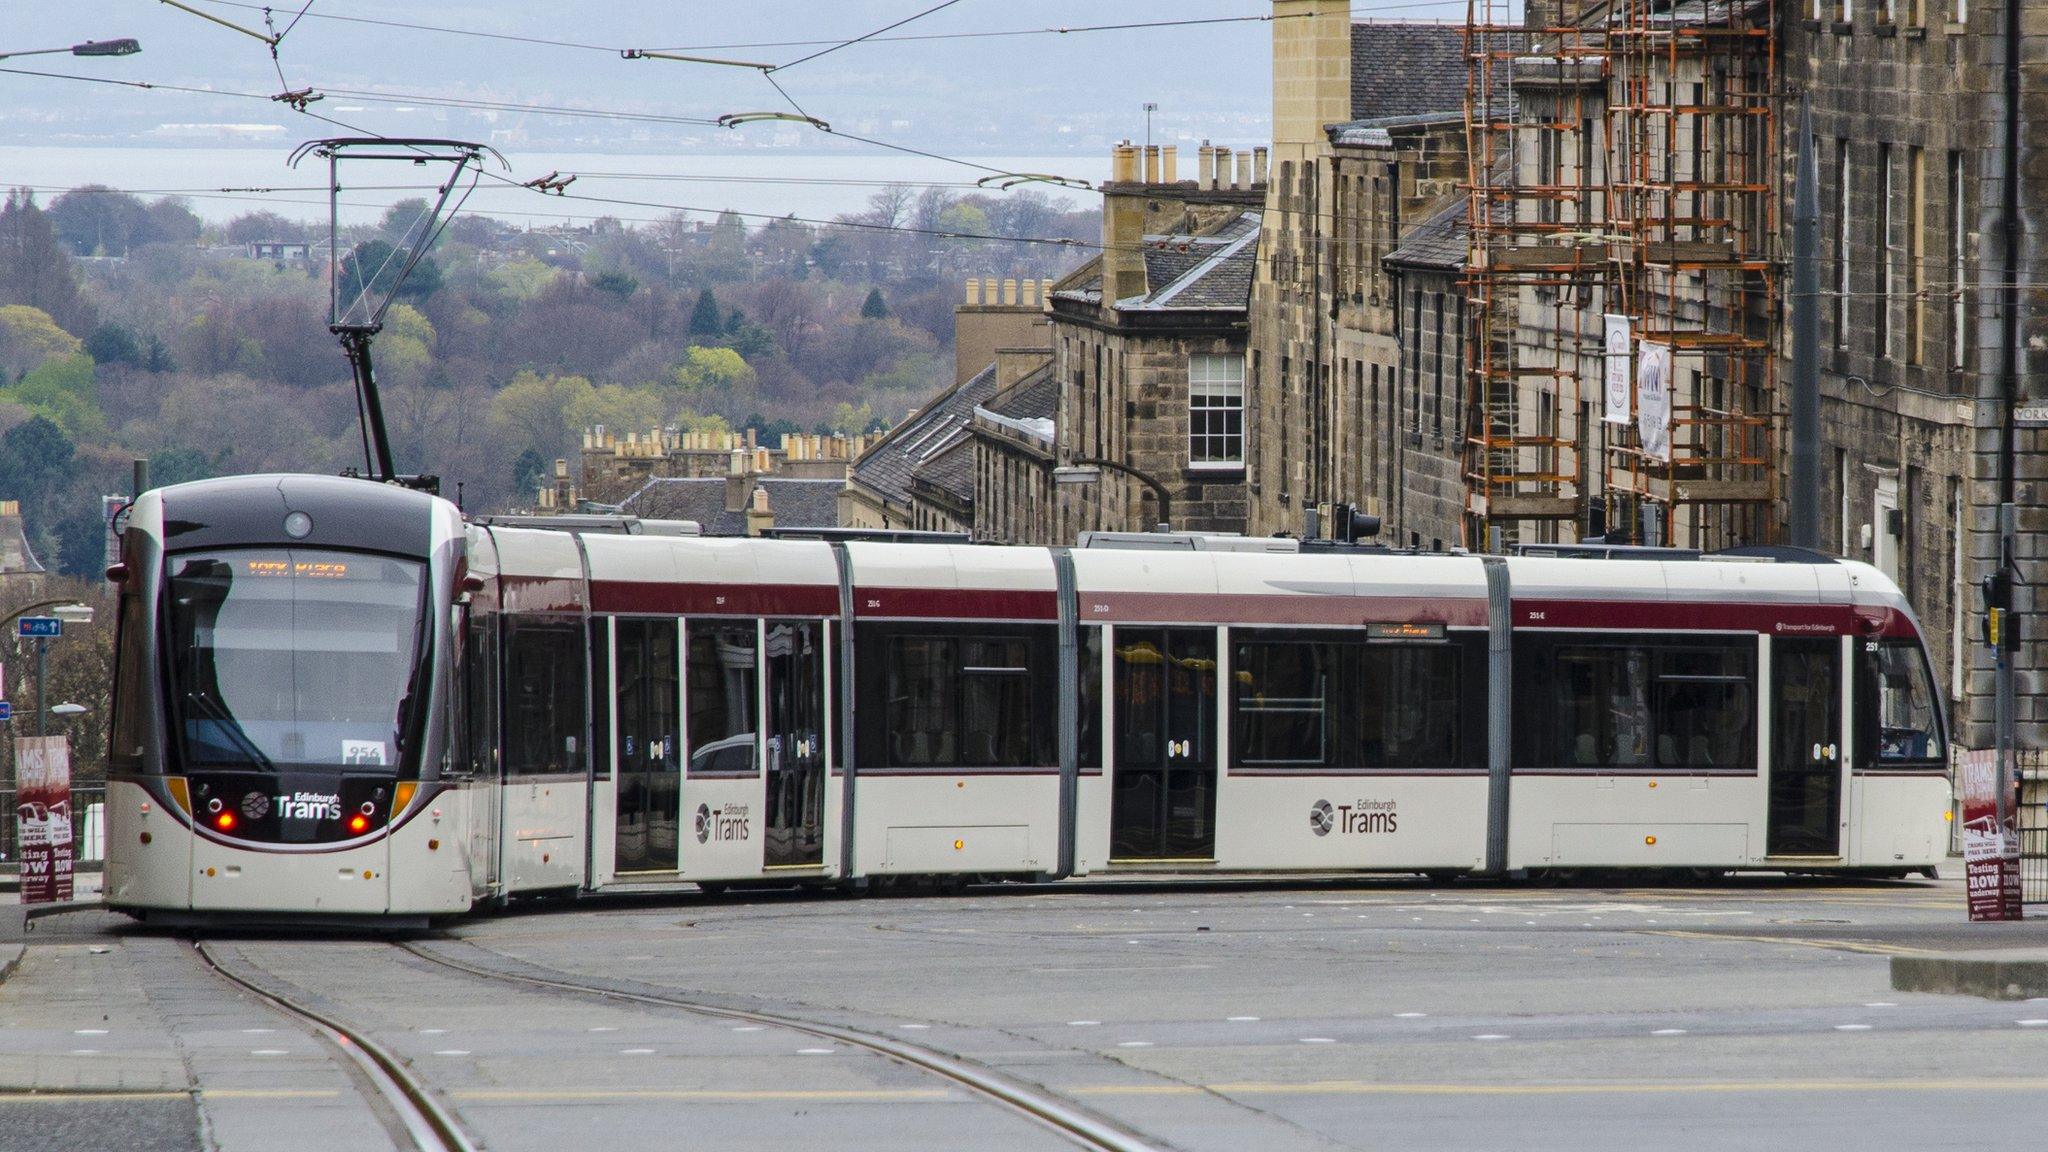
(1621, 157)
(1536, 262)
(1694, 221)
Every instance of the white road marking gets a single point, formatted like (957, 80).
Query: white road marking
(1134, 1044)
(266, 1052)
(1491, 1036)
(917, 1026)
(452, 1052)
(88, 1031)
(604, 1028)
(1409, 1015)
(432, 1031)
(1244, 1019)
(1082, 1023)
(1317, 1040)
(1669, 1032)
(742, 1028)
(257, 1031)
(1880, 1004)
(2031, 1023)
(814, 1051)
(1852, 1027)
(85, 1051)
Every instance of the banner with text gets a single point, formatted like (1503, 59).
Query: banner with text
(42, 798)
(1991, 852)
(1653, 400)
(1615, 408)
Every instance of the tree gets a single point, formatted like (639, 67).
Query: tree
(61, 388)
(81, 544)
(156, 357)
(110, 343)
(254, 226)
(28, 337)
(370, 272)
(705, 319)
(874, 307)
(36, 460)
(34, 269)
(527, 472)
(180, 466)
(616, 284)
(402, 222)
(96, 220)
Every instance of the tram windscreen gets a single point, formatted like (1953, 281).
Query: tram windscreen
(295, 658)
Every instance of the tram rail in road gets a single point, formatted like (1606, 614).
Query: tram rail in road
(1079, 1124)
(431, 1126)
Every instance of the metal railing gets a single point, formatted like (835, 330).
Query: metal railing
(88, 827)
(2033, 821)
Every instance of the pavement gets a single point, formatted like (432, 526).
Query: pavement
(1275, 1016)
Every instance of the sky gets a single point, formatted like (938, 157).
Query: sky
(961, 95)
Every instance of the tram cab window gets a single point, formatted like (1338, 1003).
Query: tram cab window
(480, 689)
(1676, 707)
(957, 696)
(1898, 720)
(1341, 701)
(1089, 678)
(544, 705)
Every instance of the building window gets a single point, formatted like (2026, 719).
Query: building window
(1216, 411)
(1958, 337)
(1916, 251)
(1884, 250)
(1842, 261)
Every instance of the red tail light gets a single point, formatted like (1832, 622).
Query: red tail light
(225, 821)
(359, 823)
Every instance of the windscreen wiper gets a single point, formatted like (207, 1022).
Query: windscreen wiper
(228, 724)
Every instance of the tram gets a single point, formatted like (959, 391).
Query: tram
(342, 700)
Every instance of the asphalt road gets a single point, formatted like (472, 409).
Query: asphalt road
(1218, 1016)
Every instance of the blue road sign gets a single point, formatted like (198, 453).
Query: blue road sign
(41, 626)
(6, 711)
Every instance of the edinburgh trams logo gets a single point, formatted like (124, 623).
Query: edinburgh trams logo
(308, 806)
(1360, 817)
(727, 822)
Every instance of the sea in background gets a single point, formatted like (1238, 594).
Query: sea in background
(221, 183)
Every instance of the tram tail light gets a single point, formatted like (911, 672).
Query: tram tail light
(225, 821)
(359, 823)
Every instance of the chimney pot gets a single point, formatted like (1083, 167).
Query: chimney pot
(1260, 159)
(1207, 172)
(1010, 293)
(973, 292)
(1225, 176)
(1244, 171)
(1151, 163)
(1169, 164)
(1123, 163)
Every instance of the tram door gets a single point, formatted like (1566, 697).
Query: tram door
(1805, 815)
(1164, 802)
(648, 745)
(796, 744)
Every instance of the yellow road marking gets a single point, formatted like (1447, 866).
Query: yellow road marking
(1833, 945)
(850, 1095)
(1366, 1088)
(28, 1096)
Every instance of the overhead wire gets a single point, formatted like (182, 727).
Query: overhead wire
(942, 5)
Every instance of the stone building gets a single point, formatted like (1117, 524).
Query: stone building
(1908, 122)
(1368, 143)
(1149, 341)
(1015, 449)
(612, 465)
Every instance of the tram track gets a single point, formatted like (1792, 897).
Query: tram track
(1081, 1125)
(428, 1124)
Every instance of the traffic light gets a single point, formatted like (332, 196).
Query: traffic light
(2001, 627)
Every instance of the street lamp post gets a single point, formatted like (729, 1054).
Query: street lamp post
(1087, 470)
(126, 46)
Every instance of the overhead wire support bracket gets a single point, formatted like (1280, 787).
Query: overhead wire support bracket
(553, 182)
(358, 320)
(228, 24)
(298, 98)
(646, 54)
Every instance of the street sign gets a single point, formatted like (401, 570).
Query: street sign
(44, 627)
(6, 711)
(2031, 415)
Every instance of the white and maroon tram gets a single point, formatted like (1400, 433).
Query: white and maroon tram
(339, 699)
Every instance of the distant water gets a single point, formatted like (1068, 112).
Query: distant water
(221, 182)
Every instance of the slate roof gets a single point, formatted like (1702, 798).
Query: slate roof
(1404, 69)
(796, 503)
(951, 471)
(1035, 397)
(1442, 241)
(888, 466)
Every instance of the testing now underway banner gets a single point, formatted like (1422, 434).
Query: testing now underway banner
(42, 766)
(1991, 852)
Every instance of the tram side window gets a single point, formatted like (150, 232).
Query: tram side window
(1339, 701)
(544, 667)
(480, 669)
(1635, 706)
(723, 700)
(1089, 657)
(945, 697)
(1899, 723)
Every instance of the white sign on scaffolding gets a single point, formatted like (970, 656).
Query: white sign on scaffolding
(1653, 399)
(1616, 392)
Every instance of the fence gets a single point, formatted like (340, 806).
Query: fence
(2033, 846)
(88, 827)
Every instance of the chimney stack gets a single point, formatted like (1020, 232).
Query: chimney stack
(1169, 164)
(1123, 233)
(1244, 171)
(759, 517)
(1311, 71)
(1259, 164)
(1151, 163)
(1206, 172)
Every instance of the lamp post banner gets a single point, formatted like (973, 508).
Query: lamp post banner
(1991, 854)
(1653, 399)
(42, 775)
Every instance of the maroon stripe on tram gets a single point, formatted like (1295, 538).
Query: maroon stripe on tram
(659, 598)
(956, 603)
(1713, 616)
(1243, 608)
